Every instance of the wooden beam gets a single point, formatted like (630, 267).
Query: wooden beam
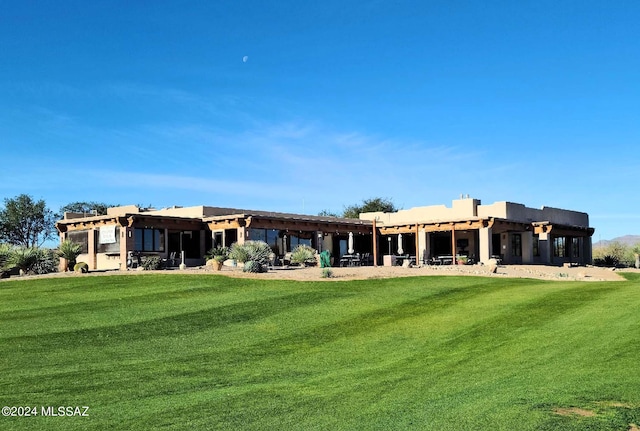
(309, 226)
(564, 230)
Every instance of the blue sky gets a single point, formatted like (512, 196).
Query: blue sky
(304, 106)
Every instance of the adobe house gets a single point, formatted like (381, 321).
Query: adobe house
(507, 231)
(108, 239)
(511, 232)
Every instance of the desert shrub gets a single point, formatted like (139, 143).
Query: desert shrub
(218, 253)
(326, 273)
(253, 266)
(239, 252)
(5, 253)
(257, 251)
(152, 263)
(303, 255)
(23, 258)
(81, 267)
(614, 254)
(29, 260)
(70, 251)
(606, 260)
(47, 261)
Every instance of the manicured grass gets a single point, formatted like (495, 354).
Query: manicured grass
(209, 352)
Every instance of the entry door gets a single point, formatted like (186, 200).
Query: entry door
(495, 245)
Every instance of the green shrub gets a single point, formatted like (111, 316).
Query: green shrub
(5, 253)
(81, 267)
(252, 266)
(606, 260)
(239, 253)
(70, 251)
(23, 258)
(614, 254)
(29, 260)
(152, 263)
(257, 251)
(47, 261)
(327, 273)
(304, 255)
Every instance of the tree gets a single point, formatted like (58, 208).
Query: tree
(327, 213)
(86, 207)
(369, 205)
(26, 222)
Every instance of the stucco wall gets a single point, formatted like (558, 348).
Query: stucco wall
(460, 209)
(519, 212)
(191, 212)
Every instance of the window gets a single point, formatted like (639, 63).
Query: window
(80, 237)
(536, 245)
(272, 239)
(109, 242)
(148, 239)
(258, 235)
(558, 246)
(296, 240)
(516, 244)
(575, 247)
(270, 236)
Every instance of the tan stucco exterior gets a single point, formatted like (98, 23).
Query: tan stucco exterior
(508, 231)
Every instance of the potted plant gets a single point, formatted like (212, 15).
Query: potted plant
(462, 260)
(216, 256)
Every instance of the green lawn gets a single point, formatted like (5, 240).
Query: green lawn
(210, 352)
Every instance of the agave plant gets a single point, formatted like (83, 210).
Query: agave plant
(70, 251)
(303, 255)
(252, 266)
(219, 253)
(257, 251)
(23, 258)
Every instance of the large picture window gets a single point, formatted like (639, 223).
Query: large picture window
(148, 239)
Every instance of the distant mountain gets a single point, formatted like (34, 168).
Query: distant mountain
(626, 240)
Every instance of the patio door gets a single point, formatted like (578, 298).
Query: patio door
(174, 243)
